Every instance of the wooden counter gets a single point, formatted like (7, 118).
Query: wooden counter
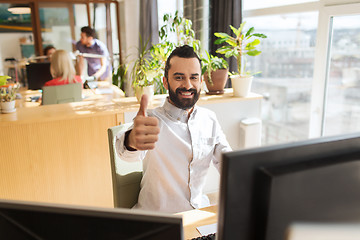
(59, 153)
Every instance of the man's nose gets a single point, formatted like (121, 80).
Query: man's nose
(187, 83)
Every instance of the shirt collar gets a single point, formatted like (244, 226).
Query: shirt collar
(177, 113)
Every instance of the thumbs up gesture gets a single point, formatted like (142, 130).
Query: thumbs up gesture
(145, 132)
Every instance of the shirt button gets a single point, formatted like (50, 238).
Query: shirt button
(178, 119)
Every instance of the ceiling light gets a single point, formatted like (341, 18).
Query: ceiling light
(19, 9)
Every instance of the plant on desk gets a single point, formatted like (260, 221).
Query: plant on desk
(142, 74)
(215, 72)
(240, 46)
(7, 94)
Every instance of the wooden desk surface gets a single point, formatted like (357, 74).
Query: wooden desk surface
(27, 111)
(198, 217)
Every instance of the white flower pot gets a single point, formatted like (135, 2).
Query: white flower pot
(8, 107)
(241, 85)
(148, 90)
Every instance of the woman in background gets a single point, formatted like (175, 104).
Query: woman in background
(62, 69)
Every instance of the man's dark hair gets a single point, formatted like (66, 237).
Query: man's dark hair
(47, 48)
(184, 51)
(88, 31)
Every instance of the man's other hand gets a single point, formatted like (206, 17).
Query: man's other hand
(146, 129)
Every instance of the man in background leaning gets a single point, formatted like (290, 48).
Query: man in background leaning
(99, 68)
(176, 142)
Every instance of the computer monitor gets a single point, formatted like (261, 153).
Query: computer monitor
(264, 190)
(37, 75)
(26, 220)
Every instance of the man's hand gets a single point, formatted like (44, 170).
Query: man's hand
(145, 132)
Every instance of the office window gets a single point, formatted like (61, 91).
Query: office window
(285, 81)
(251, 4)
(55, 21)
(342, 109)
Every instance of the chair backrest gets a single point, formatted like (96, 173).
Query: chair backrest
(62, 93)
(126, 176)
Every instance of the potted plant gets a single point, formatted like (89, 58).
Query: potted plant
(7, 95)
(215, 72)
(240, 46)
(119, 76)
(142, 74)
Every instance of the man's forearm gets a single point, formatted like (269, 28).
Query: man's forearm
(102, 70)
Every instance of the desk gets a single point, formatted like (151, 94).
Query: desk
(59, 153)
(197, 217)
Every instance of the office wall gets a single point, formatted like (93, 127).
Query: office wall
(10, 49)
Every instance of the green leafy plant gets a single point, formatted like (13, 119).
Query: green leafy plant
(142, 73)
(119, 76)
(240, 46)
(212, 63)
(3, 80)
(182, 28)
(8, 91)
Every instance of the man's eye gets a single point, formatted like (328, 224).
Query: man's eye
(178, 78)
(194, 78)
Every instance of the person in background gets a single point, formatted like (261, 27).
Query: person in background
(176, 142)
(99, 68)
(62, 69)
(48, 51)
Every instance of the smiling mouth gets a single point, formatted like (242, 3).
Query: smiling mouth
(186, 94)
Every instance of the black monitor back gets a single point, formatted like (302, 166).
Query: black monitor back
(266, 189)
(37, 75)
(25, 220)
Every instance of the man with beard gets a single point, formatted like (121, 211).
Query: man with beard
(176, 142)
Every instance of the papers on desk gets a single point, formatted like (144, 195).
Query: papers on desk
(103, 91)
(207, 229)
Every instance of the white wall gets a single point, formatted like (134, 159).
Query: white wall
(10, 47)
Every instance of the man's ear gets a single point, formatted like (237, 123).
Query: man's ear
(165, 83)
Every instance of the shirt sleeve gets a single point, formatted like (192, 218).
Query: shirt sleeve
(78, 46)
(102, 49)
(123, 153)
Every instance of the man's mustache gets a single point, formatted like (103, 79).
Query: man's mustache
(191, 90)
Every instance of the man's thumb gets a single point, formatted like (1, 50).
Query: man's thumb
(143, 105)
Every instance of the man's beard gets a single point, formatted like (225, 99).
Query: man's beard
(186, 103)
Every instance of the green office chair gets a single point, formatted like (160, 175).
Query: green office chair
(126, 176)
(62, 93)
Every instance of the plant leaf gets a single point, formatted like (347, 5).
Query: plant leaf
(231, 42)
(220, 40)
(222, 35)
(253, 53)
(241, 26)
(260, 35)
(235, 30)
(223, 49)
(251, 30)
(3, 80)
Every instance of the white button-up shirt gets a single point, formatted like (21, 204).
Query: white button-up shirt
(174, 172)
